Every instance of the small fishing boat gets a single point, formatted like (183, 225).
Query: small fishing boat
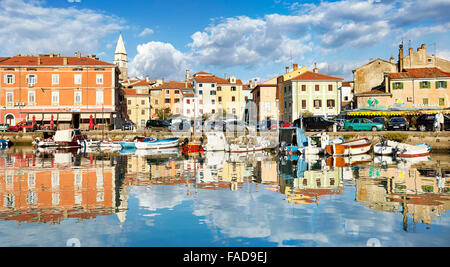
(90, 143)
(4, 143)
(159, 144)
(355, 147)
(192, 146)
(243, 144)
(70, 138)
(388, 147)
(132, 144)
(293, 139)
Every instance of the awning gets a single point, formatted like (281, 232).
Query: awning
(394, 112)
(47, 117)
(96, 115)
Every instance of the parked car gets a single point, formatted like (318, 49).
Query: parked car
(236, 126)
(340, 123)
(4, 127)
(157, 125)
(128, 125)
(398, 123)
(381, 120)
(315, 123)
(29, 126)
(361, 124)
(214, 126)
(281, 124)
(425, 122)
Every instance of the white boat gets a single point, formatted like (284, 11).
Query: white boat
(158, 151)
(110, 144)
(216, 141)
(402, 150)
(355, 147)
(90, 143)
(158, 144)
(71, 138)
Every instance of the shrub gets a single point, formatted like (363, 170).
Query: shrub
(398, 137)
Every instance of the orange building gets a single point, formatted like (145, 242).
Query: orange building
(69, 88)
(171, 96)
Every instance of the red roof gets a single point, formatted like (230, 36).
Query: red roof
(174, 85)
(347, 84)
(132, 92)
(52, 61)
(419, 73)
(309, 75)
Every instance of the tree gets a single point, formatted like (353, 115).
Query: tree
(163, 114)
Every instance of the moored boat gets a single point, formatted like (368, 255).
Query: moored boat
(132, 144)
(159, 144)
(387, 147)
(70, 138)
(355, 147)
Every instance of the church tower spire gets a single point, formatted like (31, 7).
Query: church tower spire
(120, 59)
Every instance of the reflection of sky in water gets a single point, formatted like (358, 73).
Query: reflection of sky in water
(166, 215)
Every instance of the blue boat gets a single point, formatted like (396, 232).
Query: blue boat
(132, 144)
(4, 143)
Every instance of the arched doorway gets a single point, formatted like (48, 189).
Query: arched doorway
(9, 119)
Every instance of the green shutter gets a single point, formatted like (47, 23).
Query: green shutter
(445, 84)
(437, 85)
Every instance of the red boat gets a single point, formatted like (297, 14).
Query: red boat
(192, 147)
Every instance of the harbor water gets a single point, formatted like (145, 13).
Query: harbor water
(166, 199)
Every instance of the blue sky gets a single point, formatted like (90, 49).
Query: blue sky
(247, 39)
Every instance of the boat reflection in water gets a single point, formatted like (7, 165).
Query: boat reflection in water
(255, 191)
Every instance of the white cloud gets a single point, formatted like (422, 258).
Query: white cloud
(159, 60)
(145, 32)
(29, 27)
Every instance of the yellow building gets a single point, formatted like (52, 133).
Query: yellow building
(138, 106)
(296, 71)
(230, 96)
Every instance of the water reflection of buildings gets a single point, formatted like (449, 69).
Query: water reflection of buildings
(54, 188)
(419, 192)
(306, 182)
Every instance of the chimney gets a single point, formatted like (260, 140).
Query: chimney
(423, 47)
(387, 88)
(287, 69)
(51, 55)
(65, 61)
(79, 54)
(400, 58)
(93, 55)
(295, 66)
(316, 70)
(370, 59)
(58, 55)
(147, 79)
(392, 60)
(410, 51)
(226, 76)
(187, 75)
(39, 61)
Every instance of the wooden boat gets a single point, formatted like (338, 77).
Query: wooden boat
(387, 147)
(355, 147)
(159, 144)
(71, 138)
(132, 144)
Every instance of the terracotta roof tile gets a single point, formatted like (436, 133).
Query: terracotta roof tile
(419, 73)
(53, 61)
(173, 85)
(309, 75)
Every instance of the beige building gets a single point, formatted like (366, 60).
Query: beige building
(265, 99)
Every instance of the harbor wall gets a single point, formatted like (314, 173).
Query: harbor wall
(439, 141)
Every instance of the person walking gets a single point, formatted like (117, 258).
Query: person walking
(441, 121)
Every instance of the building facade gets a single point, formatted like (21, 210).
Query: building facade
(311, 92)
(68, 89)
(265, 100)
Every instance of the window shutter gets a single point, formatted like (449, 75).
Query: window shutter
(445, 84)
(437, 84)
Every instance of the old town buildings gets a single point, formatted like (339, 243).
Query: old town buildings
(71, 91)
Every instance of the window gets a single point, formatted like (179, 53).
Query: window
(200, 92)
(425, 101)
(220, 99)
(330, 87)
(177, 92)
(188, 101)
(167, 100)
(212, 92)
(31, 79)
(55, 78)
(143, 112)
(99, 97)
(397, 85)
(142, 102)
(129, 102)
(425, 84)
(9, 97)
(233, 88)
(129, 112)
(219, 88)
(177, 100)
(167, 92)
(441, 101)
(99, 78)
(55, 98)
(213, 101)
(233, 98)
(317, 87)
(156, 101)
(213, 111)
(303, 104)
(330, 103)
(200, 85)
(346, 98)
(31, 97)
(10, 79)
(77, 79)
(143, 121)
(303, 87)
(317, 104)
(212, 85)
(441, 84)
(77, 97)
(234, 111)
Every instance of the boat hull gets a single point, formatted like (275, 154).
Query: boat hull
(357, 147)
(158, 144)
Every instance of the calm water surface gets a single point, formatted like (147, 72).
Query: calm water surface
(132, 198)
